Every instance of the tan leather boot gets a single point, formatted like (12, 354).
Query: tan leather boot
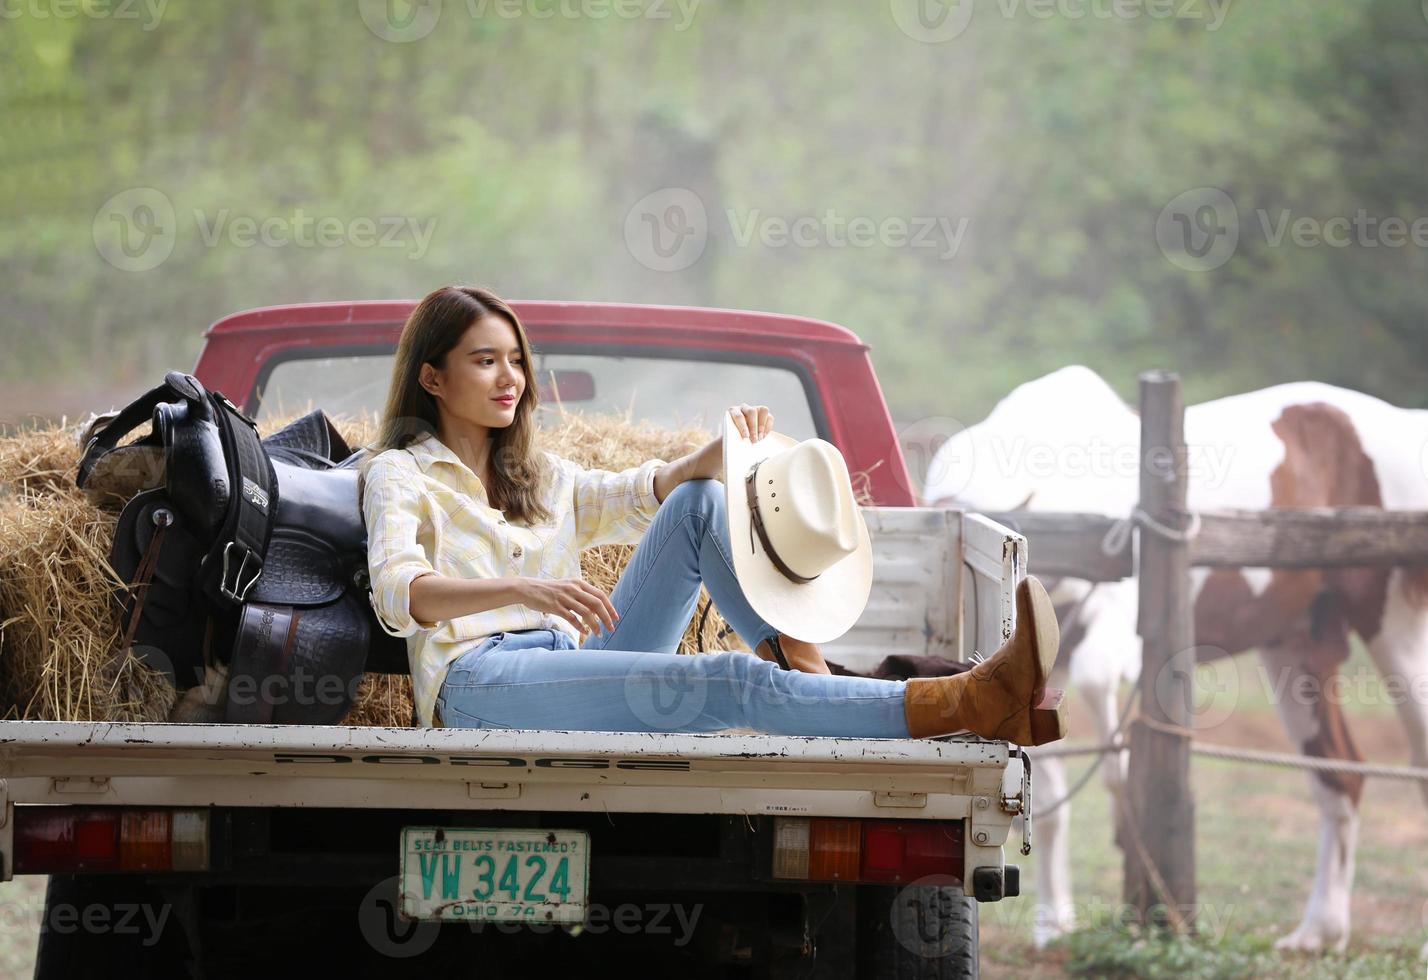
(797, 655)
(1004, 696)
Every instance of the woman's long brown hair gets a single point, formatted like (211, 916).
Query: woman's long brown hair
(518, 472)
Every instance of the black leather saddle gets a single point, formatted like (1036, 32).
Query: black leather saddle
(245, 551)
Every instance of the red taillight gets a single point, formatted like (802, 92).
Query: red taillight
(53, 839)
(899, 851)
(50, 839)
(890, 851)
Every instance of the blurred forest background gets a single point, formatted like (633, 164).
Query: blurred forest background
(1053, 133)
(1234, 189)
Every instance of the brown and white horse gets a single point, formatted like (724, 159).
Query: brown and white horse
(1067, 443)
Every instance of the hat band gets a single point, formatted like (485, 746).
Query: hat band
(756, 523)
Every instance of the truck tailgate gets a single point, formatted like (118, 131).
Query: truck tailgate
(287, 765)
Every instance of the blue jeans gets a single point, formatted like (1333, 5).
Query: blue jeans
(631, 680)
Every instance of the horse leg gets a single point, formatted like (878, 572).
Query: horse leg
(1400, 652)
(1055, 913)
(1308, 707)
(1101, 700)
(1109, 654)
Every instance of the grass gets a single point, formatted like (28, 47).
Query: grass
(1121, 953)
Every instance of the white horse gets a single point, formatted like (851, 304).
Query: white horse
(1067, 443)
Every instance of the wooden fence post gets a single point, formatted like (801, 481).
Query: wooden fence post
(1160, 838)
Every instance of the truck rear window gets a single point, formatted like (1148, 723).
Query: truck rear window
(665, 391)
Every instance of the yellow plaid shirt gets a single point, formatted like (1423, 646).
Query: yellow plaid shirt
(427, 512)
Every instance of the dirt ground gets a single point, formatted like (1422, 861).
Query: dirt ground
(22, 904)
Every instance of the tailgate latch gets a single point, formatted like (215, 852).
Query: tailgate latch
(1022, 804)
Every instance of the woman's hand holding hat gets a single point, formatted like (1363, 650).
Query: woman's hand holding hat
(707, 462)
(753, 421)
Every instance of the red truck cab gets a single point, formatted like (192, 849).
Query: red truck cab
(688, 362)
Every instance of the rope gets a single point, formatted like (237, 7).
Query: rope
(1291, 761)
(1284, 760)
(1118, 536)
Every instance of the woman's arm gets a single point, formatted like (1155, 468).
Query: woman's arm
(436, 598)
(708, 463)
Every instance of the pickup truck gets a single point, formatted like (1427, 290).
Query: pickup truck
(230, 849)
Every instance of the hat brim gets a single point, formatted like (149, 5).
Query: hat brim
(815, 612)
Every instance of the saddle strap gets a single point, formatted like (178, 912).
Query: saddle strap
(133, 416)
(139, 588)
(235, 560)
(263, 649)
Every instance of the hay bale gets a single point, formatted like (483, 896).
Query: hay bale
(59, 628)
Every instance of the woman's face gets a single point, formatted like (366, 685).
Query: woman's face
(484, 366)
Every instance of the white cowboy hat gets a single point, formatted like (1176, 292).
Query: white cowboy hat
(802, 555)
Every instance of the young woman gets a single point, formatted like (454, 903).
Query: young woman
(475, 536)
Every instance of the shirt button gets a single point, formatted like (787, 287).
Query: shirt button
(517, 553)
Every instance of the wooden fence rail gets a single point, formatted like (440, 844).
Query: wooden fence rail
(1310, 537)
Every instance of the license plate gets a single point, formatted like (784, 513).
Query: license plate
(463, 874)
